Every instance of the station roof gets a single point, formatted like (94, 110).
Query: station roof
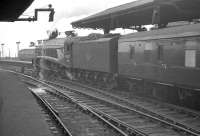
(10, 10)
(140, 13)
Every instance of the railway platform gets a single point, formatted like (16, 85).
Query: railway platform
(20, 115)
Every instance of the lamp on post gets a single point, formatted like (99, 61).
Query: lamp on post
(9, 53)
(18, 43)
(2, 45)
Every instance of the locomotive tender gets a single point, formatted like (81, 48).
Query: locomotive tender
(162, 63)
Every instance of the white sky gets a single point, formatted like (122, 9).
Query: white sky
(66, 11)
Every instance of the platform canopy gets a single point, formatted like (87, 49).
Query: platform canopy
(142, 12)
(10, 10)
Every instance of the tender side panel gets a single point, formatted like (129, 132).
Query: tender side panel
(96, 55)
(175, 60)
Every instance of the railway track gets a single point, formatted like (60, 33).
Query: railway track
(144, 122)
(131, 121)
(77, 118)
(177, 115)
(55, 124)
(183, 117)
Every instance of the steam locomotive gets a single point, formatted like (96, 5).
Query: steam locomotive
(162, 63)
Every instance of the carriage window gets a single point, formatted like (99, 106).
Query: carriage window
(132, 52)
(148, 48)
(190, 58)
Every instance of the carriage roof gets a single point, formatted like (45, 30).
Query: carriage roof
(190, 30)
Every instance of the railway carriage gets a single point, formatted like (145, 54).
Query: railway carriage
(164, 62)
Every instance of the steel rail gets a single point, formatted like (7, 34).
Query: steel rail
(82, 106)
(102, 115)
(144, 114)
(130, 130)
(54, 114)
(128, 108)
(86, 108)
(144, 109)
